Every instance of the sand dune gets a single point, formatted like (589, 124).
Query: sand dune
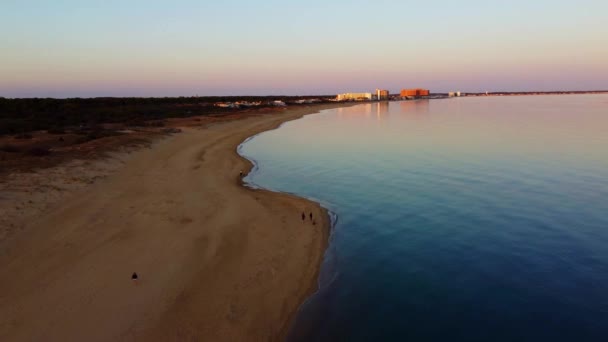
(217, 261)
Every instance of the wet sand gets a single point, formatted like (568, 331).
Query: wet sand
(216, 261)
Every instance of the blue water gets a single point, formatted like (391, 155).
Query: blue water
(470, 219)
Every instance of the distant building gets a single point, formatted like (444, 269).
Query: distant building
(454, 94)
(415, 92)
(308, 101)
(238, 104)
(354, 97)
(227, 105)
(382, 95)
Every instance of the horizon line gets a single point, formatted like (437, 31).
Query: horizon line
(276, 95)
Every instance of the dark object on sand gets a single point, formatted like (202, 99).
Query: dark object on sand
(134, 277)
(303, 216)
(311, 216)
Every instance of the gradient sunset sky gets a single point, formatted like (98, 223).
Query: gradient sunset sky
(68, 48)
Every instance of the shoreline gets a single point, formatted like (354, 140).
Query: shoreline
(325, 224)
(216, 261)
(329, 219)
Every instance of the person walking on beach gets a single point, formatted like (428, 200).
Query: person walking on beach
(303, 217)
(134, 277)
(241, 174)
(311, 215)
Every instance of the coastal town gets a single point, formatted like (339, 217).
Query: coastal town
(377, 95)
(385, 95)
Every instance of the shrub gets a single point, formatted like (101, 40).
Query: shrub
(9, 148)
(56, 130)
(39, 151)
(23, 136)
(136, 123)
(156, 124)
(89, 137)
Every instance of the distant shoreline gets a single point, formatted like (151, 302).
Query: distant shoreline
(441, 96)
(533, 93)
(283, 97)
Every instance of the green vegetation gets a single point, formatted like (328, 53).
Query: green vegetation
(19, 116)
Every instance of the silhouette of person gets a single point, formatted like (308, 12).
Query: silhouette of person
(134, 277)
(311, 215)
(303, 217)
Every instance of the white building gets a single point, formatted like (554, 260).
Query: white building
(354, 97)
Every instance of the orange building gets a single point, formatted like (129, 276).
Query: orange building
(414, 92)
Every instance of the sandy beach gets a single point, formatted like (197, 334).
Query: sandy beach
(216, 261)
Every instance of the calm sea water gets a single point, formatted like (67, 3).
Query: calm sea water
(468, 219)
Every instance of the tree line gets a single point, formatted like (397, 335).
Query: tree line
(31, 114)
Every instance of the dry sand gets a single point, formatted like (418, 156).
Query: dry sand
(217, 261)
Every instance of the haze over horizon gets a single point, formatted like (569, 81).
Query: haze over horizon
(151, 48)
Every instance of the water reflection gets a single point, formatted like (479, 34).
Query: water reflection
(355, 112)
(416, 106)
(382, 110)
(476, 210)
(377, 110)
